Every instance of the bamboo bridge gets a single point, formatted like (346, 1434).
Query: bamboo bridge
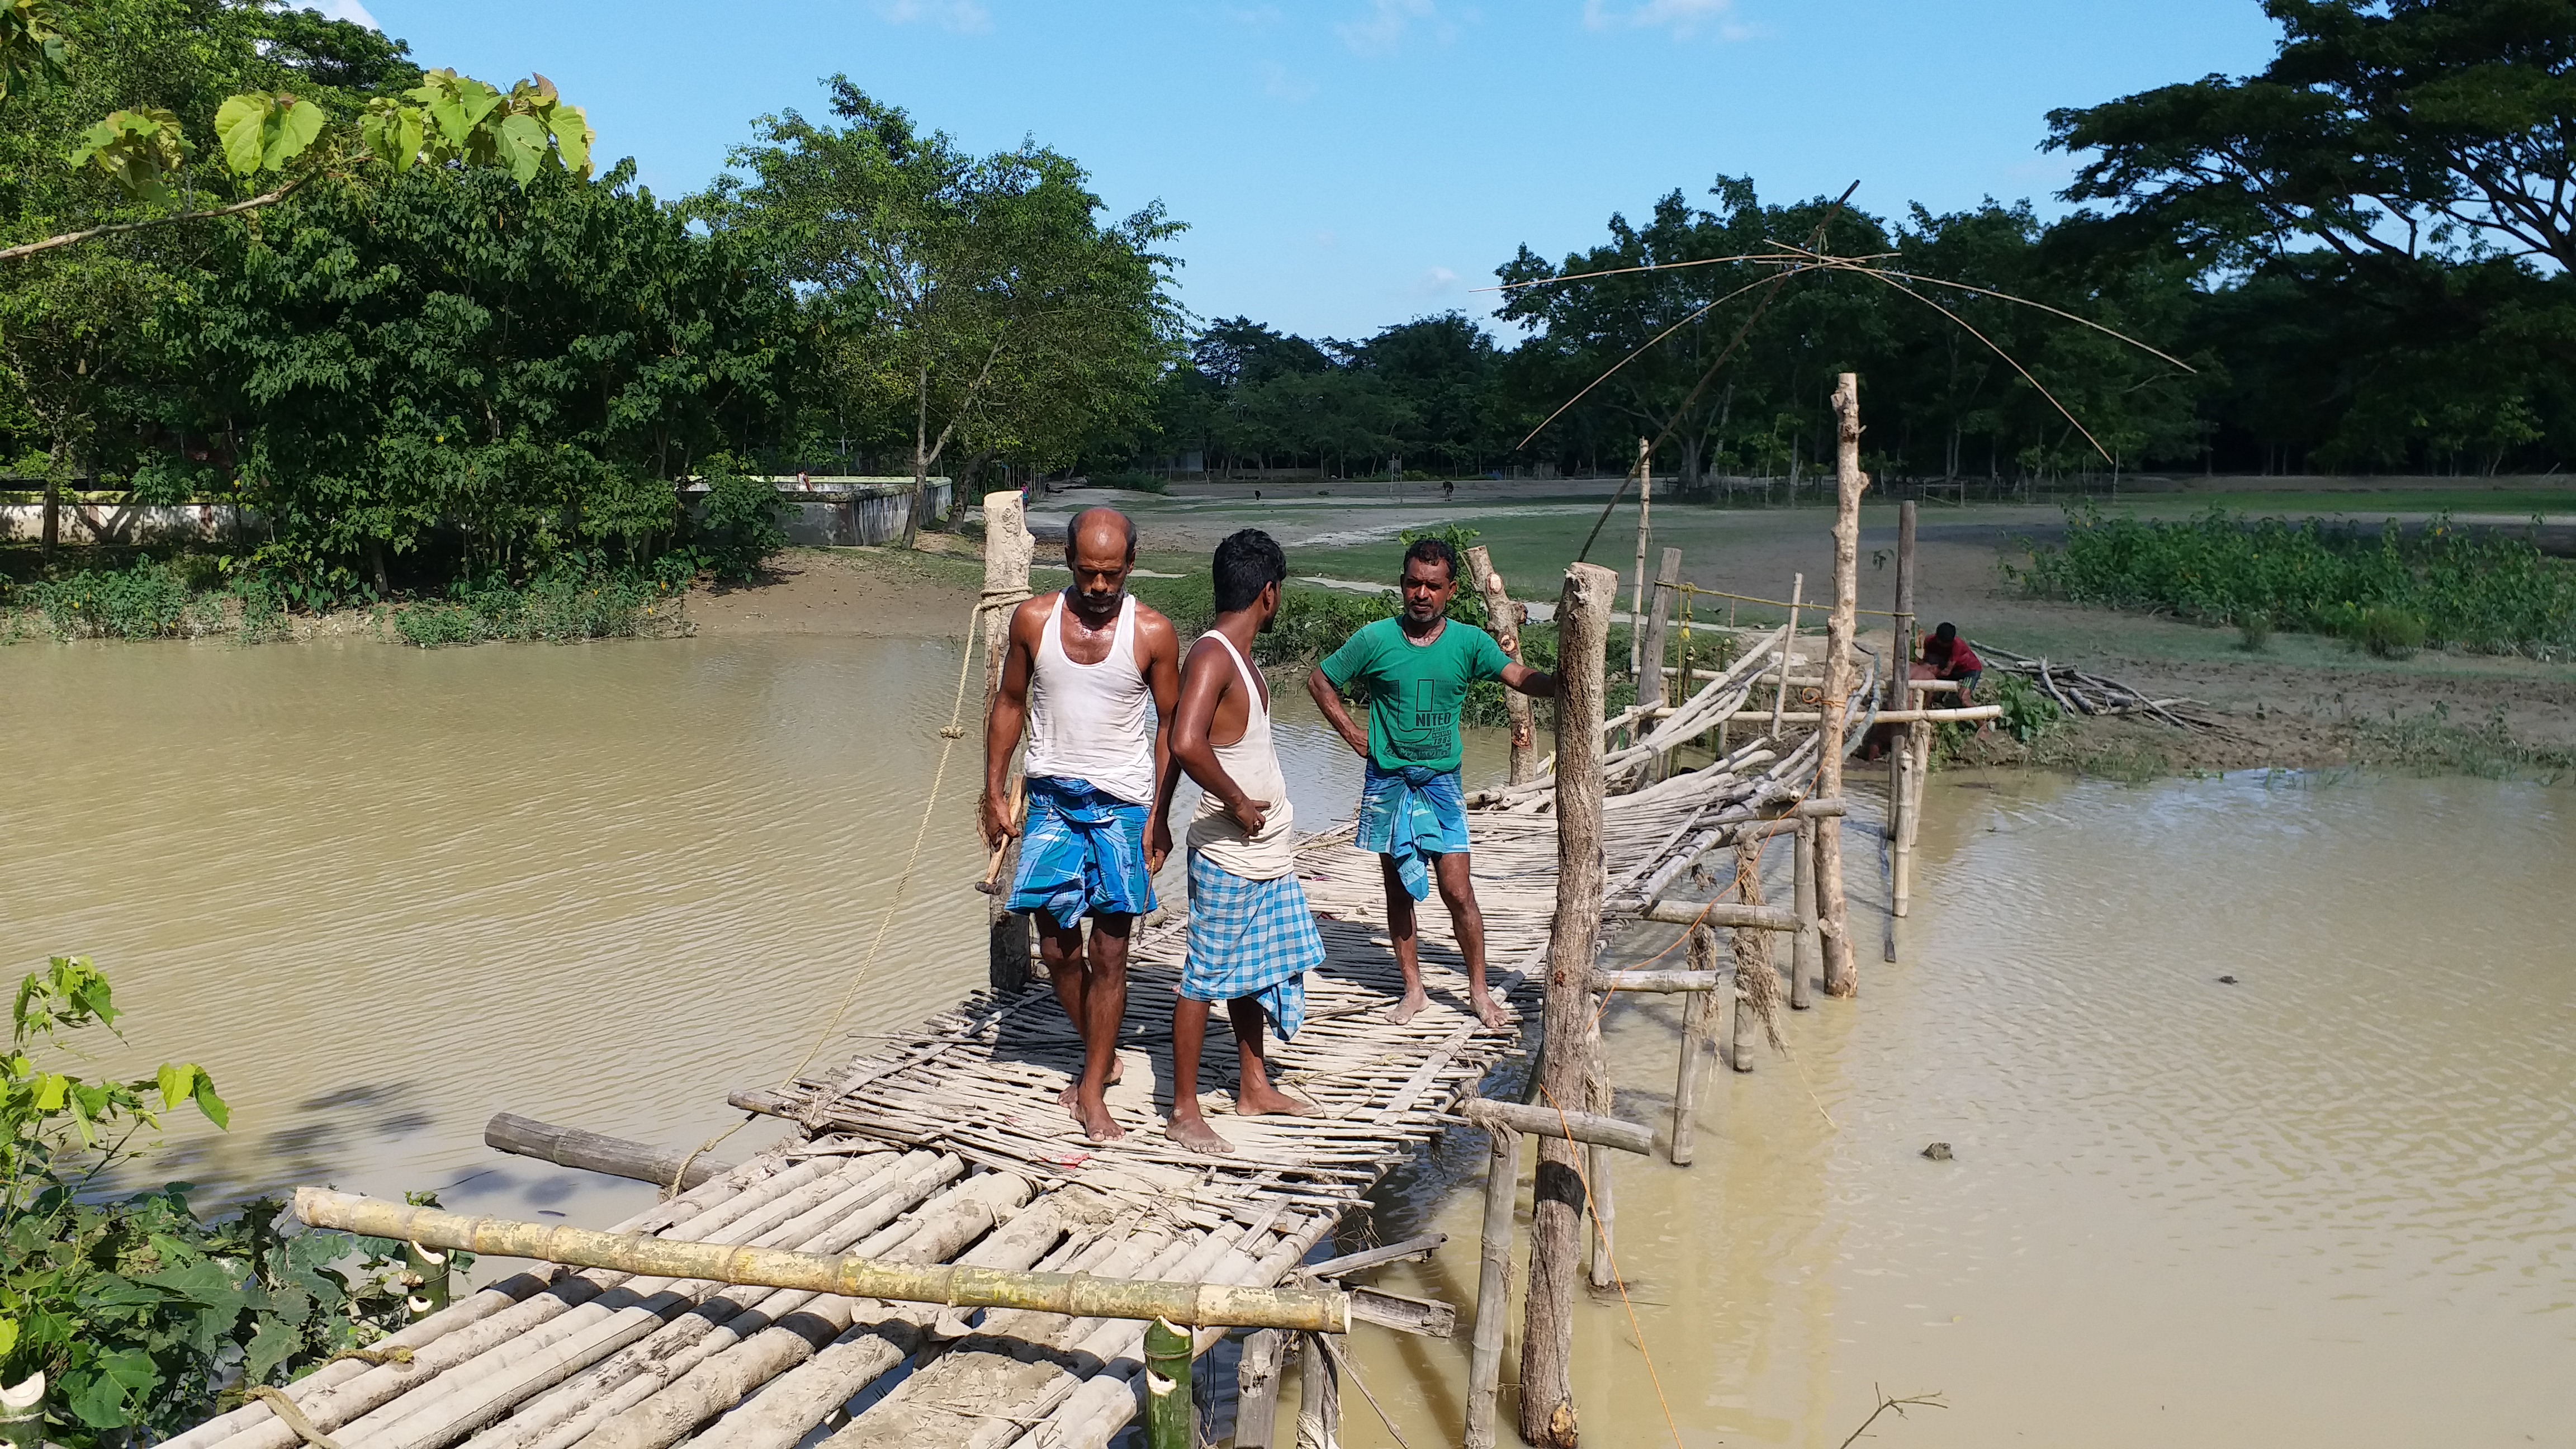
(945, 1144)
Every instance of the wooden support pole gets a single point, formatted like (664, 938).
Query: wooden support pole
(1538, 1119)
(1668, 577)
(1493, 1287)
(1730, 914)
(1833, 917)
(1605, 1216)
(1806, 958)
(1505, 618)
(1571, 1067)
(1319, 1395)
(1008, 548)
(1950, 714)
(591, 1152)
(1697, 1012)
(1171, 1415)
(1788, 652)
(1752, 953)
(1901, 763)
(1075, 1294)
(1256, 1380)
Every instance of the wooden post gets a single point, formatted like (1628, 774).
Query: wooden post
(1319, 1396)
(1008, 547)
(1752, 950)
(1256, 1380)
(1171, 1418)
(1833, 918)
(1650, 683)
(1805, 957)
(1566, 1078)
(1901, 764)
(573, 1147)
(1493, 1289)
(1645, 505)
(1698, 1009)
(1505, 619)
(1788, 652)
(1605, 1213)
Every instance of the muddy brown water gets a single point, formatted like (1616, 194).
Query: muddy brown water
(383, 893)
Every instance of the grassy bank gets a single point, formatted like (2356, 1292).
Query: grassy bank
(175, 599)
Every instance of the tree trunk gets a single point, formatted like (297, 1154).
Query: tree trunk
(1566, 1081)
(920, 457)
(1842, 967)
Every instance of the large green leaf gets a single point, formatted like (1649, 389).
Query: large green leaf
(241, 123)
(573, 136)
(268, 1348)
(293, 126)
(523, 146)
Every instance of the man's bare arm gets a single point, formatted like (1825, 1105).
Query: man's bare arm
(1328, 699)
(1194, 748)
(1529, 681)
(1010, 714)
(1162, 648)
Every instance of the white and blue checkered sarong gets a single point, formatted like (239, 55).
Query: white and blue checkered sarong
(1082, 852)
(1410, 813)
(1250, 938)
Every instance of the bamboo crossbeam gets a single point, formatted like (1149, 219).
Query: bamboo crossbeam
(1722, 913)
(1659, 983)
(591, 1152)
(1956, 715)
(1542, 1121)
(1308, 1310)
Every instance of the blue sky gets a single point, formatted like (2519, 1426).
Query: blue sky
(1347, 164)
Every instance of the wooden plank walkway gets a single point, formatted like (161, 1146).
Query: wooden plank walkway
(947, 1144)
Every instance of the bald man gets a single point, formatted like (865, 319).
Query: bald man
(1093, 674)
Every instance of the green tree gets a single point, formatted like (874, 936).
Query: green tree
(980, 292)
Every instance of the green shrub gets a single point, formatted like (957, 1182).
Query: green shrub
(138, 1311)
(2483, 591)
(1133, 482)
(263, 608)
(576, 600)
(2254, 631)
(2028, 712)
(2389, 633)
(148, 601)
(737, 528)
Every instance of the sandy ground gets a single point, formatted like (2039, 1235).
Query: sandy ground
(861, 592)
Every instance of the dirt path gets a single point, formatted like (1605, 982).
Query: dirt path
(859, 592)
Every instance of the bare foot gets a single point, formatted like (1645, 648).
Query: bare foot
(1070, 1099)
(1097, 1124)
(1410, 1007)
(1491, 1012)
(1271, 1102)
(1193, 1133)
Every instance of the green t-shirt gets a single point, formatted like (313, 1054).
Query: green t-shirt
(1416, 690)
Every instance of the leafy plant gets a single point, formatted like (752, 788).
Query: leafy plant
(737, 526)
(148, 601)
(138, 1311)
(2254, 631)
(2389, 633)
(2028, 712)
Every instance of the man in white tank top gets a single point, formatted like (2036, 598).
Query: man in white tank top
(1093, 675)
(1252, 939)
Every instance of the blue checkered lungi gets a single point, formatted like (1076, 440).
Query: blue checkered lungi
(1411, 813)
(1082, 852)
(1250, 938)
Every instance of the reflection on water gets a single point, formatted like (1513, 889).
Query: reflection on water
(2334, 1203)
(383, 893)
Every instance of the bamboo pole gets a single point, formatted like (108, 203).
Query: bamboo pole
(591, 1152)
(1008, 548)
(1645, 506)
(1650, 677)
(1806, 957)
(1605, 1216)
(1256, 1389)
(1171, 1415)
(1788, 653)
(1954, 714)
(1571, 1065)
(1833, 918)
(1538, 1119)
(1695, 1017)
(1493, 1286)
(1194, 1304)
(1505, 618)
(1731, 914)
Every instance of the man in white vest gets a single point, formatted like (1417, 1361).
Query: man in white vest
(1093, 674)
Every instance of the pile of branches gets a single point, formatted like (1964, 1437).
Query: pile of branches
(2079, 692)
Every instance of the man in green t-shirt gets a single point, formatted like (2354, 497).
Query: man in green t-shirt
(1416, 668)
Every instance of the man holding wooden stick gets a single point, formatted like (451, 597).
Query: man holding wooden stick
(1252, 938)
(1416, 668)
(1094, 675)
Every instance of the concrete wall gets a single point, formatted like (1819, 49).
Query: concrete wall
(120, 522)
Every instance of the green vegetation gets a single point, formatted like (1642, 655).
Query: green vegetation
(143, 1317)
(2028, 711)
(2429, 743)
(2390, 592)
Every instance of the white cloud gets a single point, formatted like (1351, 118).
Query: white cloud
(965, 17)
(1326, 239)
(1383, 30)
(349, 10)
(1278, 84)
(1683, 18)
(1436, 281)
